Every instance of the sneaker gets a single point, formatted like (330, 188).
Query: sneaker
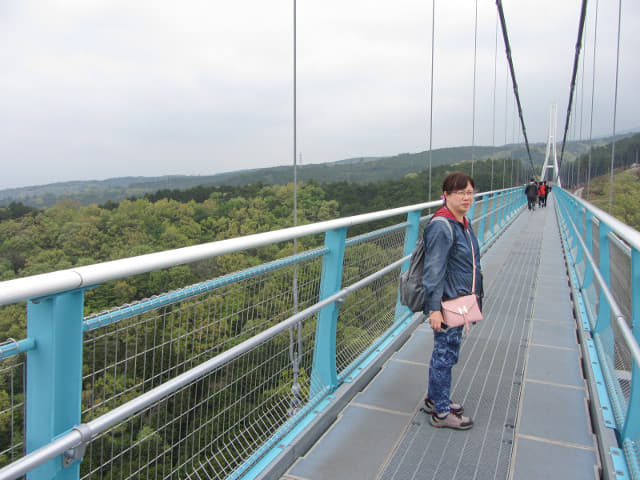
(429, 407)
(452, 420)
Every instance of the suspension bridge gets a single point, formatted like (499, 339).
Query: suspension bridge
(308, 366)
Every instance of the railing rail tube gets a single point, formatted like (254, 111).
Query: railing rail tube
(81, 277)
(85, 432)
(627, 333)
(45, 284)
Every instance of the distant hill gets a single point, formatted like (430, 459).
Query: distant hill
(355, 170)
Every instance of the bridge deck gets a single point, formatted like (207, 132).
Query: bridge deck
(519, 377)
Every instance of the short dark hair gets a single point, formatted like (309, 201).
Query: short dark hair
(457, 181)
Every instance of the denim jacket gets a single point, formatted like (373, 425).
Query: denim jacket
(448, 267)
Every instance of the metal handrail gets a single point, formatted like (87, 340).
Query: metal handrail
(45, 284)
(630, 235)
(627, 333)
(82, 434)
(491, 212)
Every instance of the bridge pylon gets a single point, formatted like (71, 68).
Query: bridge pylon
(551, 145)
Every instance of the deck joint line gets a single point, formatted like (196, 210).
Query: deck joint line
(410, 362)
(554, 384)
(554, 347)
(556, 442)
(381, 409)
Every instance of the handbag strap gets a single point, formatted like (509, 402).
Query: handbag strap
(473, 257)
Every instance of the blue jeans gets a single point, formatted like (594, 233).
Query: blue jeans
(446, 347)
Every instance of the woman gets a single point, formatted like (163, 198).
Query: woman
(448, 273)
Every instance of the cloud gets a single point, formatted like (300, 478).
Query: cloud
(101, 89)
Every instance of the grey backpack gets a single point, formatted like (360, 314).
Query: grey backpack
(411, 287)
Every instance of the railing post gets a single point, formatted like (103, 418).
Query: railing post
(588, 234)
(579, 222)
(604, 309)
(471, 210)
(512, 204)
(631, 430)
(324, 375)
(54, 377)
(410, 240)
(483, 216)
(504, 196)
(492, 216)
(411, 235)
(572, 239)
(505, 207)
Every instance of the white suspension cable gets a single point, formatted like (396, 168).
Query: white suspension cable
(475, 66)
(433, 28)
(593, 89)
(615, 108)
(584, 60)
(295, 345)
(495, 79)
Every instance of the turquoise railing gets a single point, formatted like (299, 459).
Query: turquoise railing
(603, 256)
(237, 365)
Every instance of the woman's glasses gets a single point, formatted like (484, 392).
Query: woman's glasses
(464, 193)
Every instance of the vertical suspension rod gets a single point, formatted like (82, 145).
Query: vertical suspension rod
(433, 36)
(475, 67)
(593, 88)
(615, 108)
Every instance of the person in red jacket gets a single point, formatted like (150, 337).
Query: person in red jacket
(542, 195)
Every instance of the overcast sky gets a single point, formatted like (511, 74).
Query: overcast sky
(94, 89)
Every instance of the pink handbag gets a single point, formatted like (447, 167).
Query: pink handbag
(463, 310)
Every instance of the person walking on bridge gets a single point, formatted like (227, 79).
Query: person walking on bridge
(449, 245)
(547, 191)
(531, 191)
(542, 195)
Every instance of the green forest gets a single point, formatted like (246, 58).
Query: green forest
(361, 171)
(68, 234)
(598, 162)
(626, 179)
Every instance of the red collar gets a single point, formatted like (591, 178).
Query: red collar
(445, 212)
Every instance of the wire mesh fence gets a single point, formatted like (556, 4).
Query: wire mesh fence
(369, 312)
(134, 355)
(213, 426)
(620, 281)
(617, 353)
(12, 408)
(606, 304)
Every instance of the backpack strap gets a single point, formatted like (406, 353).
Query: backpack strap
(444, 219)
(473, 253)
(473, 259)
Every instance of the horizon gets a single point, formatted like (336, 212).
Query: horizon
(302, 165)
